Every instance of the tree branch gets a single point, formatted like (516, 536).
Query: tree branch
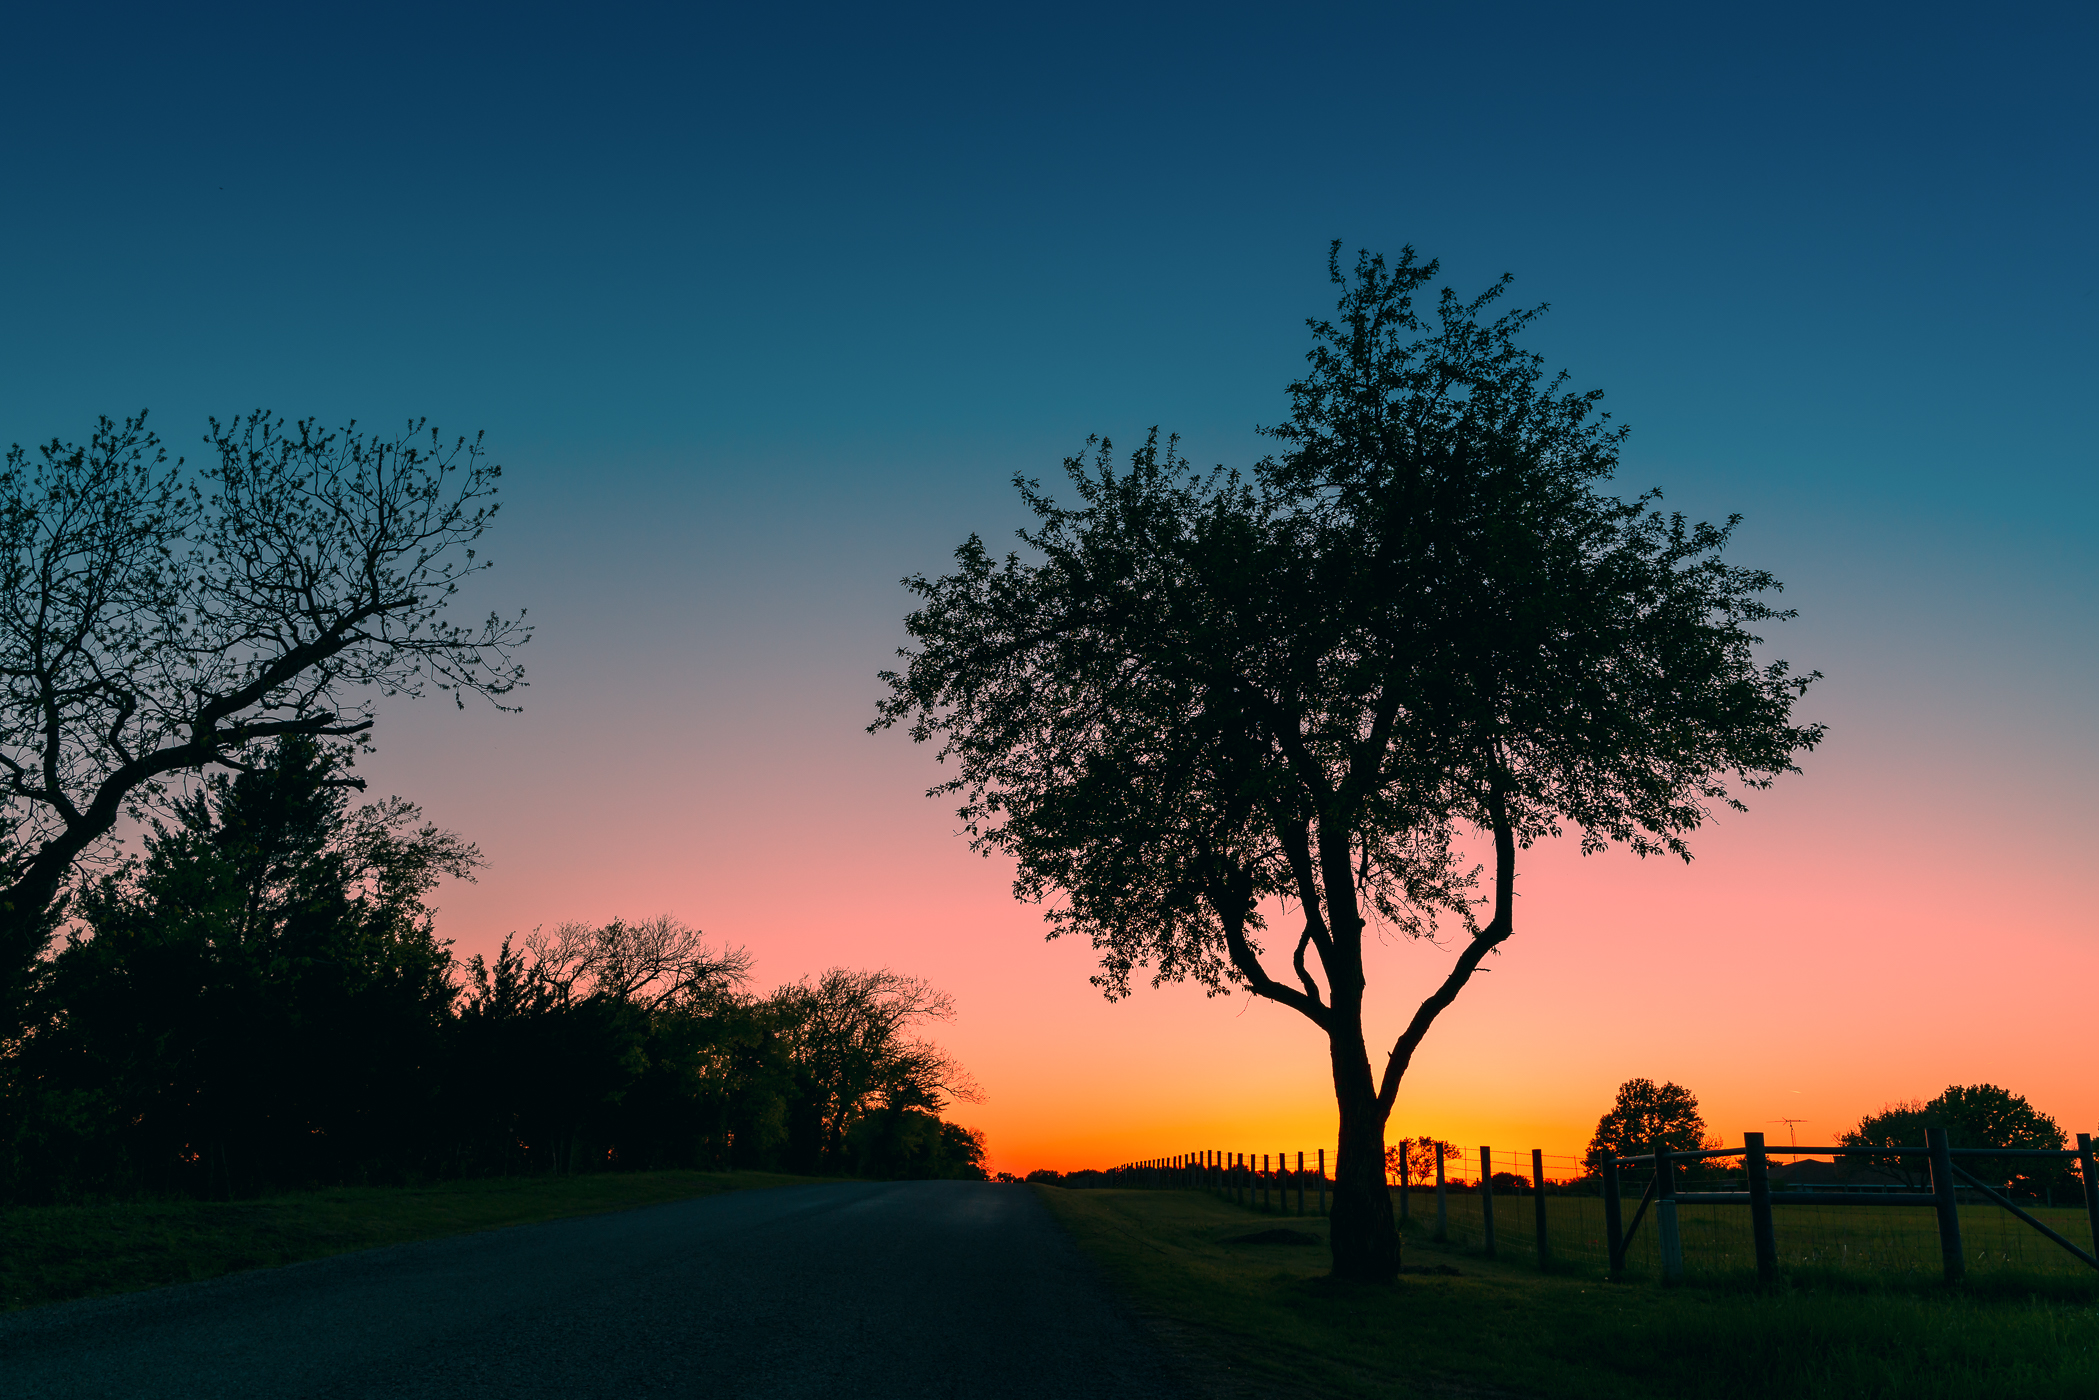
(1484, 942)
(1231, 915)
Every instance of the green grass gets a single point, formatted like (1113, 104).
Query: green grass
(1873, 1242)
(1270, 1316)
(52, 1253)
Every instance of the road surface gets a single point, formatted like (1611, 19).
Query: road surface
(936, 1288)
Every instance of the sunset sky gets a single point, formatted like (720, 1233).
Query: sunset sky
(763, 313)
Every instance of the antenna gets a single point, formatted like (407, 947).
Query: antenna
(1792, 1138)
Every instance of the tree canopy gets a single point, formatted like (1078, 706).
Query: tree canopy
(1226, 723)
(1973, 1115)
(262, 985)
(1644, 1118)
(855, 1050)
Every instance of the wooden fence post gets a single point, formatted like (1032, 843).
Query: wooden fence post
(1487, 1197)
(1947, 1205)
(1300, 1183)
(1538, 1195)
(2091, 1187)
(1613, 1217)
(1442, 1208)
(1322, 1181)
(1758, 1170)
(1666, 1234)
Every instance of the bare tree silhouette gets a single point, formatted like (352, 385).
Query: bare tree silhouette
(157, 620)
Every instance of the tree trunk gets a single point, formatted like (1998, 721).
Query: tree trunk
(1365, 1243)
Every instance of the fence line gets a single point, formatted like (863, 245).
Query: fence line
(1960, 1222)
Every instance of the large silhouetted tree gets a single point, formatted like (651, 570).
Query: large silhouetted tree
(158, 620)
(1205, 704)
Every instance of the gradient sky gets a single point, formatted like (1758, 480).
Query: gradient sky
(762, 311)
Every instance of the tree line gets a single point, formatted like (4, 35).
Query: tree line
(1646, 1116)
(259, 1000)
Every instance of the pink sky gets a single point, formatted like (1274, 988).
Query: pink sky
(1915, 910)
(762, 312)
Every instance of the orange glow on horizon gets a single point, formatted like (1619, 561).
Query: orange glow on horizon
(1814, 962)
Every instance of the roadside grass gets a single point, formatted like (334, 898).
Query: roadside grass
(52, 1253)
(1268, 1315)
(1873, 1242)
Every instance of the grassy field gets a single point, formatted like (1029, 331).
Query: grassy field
(1868, 1241)
(51, 1253)
(1266, 1316)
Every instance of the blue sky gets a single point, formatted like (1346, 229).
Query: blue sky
(762, 310)
(630, 229)
(1831, 264)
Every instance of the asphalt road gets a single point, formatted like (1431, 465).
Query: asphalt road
(931, 1288)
